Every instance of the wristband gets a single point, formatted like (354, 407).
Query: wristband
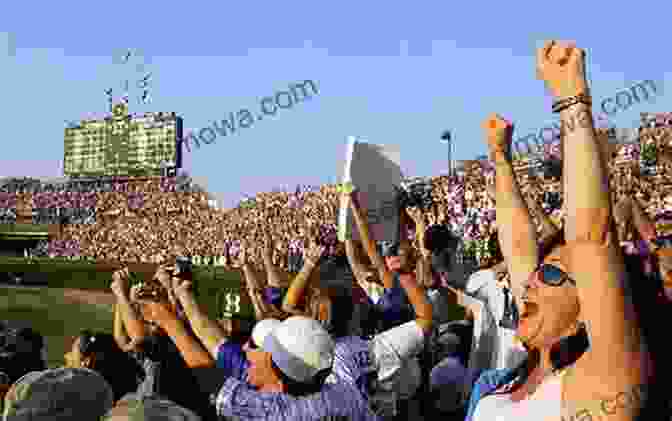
(565, 103)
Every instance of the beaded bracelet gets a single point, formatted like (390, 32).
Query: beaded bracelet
(565, 103)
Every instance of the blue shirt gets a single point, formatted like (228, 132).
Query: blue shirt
(394, 308)
(232, 360)
(488, 382)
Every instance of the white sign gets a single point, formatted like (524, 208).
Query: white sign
(375, 172)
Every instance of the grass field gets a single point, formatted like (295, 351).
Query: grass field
(53, 315)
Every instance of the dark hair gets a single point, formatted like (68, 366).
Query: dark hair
(547, 246)
(299, 389)
(33, 337)
(439, 237)
(116, 367)
(342, 310)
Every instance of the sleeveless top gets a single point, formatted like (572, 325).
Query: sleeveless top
(545, 404)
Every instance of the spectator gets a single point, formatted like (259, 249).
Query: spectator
(573, 298)
(58, 394)
(167, 371)
(21, 352)
(154, 409)
(99, 352)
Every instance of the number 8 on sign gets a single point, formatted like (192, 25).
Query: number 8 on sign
(232, 303)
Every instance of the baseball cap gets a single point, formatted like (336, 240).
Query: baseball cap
(149, 409)
(262, 329)
(300, 347)
(59, 394)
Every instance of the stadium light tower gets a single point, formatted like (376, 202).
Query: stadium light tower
(446, 138)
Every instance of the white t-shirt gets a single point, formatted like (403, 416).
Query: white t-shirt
(505, 353)
(390, 357)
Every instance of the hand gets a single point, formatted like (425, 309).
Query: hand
(182, 288)
(163, 275)
(416, 215)
(561, 65)
(120, 284)
(498, 133)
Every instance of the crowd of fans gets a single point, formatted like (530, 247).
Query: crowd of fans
(134, 220)
(559, 319)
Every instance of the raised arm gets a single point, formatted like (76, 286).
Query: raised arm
(369, 244)
(273, 275)
(297, 288)
(131, 320)
(365, 278)
(120, 335)
(516, 232)
(358, 268)
(209, 332)
(593, 255)
(262, 309)
(418, 299)
(424, 267)
(193, 353)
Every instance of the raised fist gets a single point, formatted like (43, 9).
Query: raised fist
(562, 67)
(498, 133)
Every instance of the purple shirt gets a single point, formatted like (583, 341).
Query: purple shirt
(354, 364)
(338, 401)
(231, 359)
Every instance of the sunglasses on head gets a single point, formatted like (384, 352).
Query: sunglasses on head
(553, 275)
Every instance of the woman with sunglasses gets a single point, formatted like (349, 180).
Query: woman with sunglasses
(577, 320)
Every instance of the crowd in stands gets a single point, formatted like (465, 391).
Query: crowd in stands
(134, 220)
(560, 320)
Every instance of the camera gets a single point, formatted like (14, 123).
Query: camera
(184, 268)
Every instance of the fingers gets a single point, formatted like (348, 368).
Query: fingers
(543, 55)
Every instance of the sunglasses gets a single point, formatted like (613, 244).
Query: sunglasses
(553, 275)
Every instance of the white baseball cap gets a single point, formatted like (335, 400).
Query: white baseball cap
(300, 347)
(262, 328)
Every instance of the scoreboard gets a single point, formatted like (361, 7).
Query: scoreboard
(123, 145)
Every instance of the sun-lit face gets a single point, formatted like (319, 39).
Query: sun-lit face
(548, 313)
(260, 373)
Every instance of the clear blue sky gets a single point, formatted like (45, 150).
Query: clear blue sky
(386, 72)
